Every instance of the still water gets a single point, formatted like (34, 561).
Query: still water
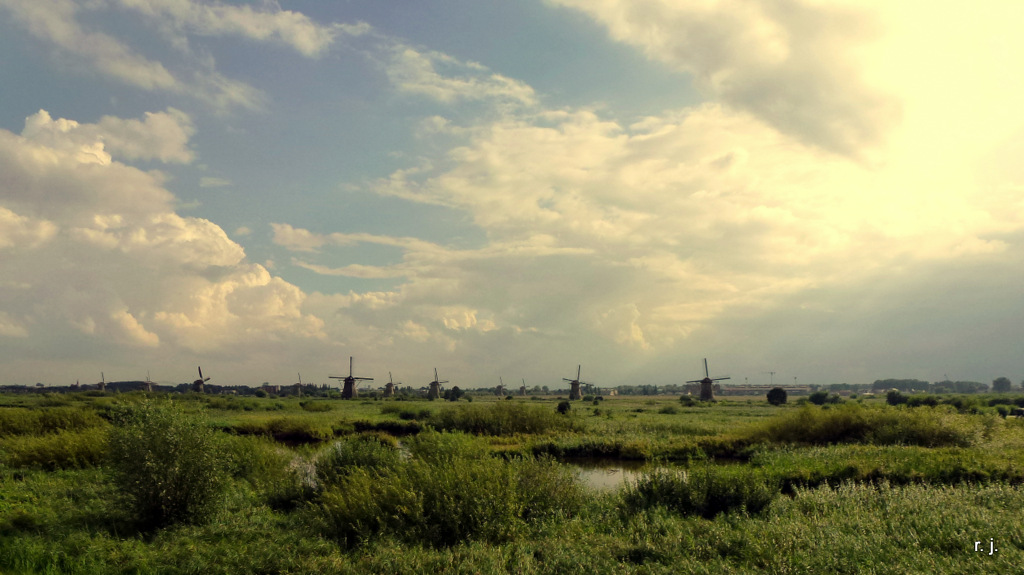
(608, 474)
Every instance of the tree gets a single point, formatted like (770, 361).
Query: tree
(1001, 385)
(777, 396)
(818, 397)
(894, 397)
(454, 393)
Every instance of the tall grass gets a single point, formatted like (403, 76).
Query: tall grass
(853, 423)
(502, 418)
(61, 450)
(19, 421)
(705, 491)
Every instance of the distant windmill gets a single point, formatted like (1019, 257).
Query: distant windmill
(102, 385)
(149, 382)
(389, 387)
(522, 389)
(350, 391)
(707, 392)
(197, 385)
(500, 392)
(574, 385)
(435, 387)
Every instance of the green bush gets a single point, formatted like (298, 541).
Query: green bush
(369, 452)
(706, 491)
(167, 463)
(777, 396)
(668, 410)
(448, 492)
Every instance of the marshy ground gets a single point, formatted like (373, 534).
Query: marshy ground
(137, 483)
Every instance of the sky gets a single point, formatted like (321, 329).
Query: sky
(828, 190)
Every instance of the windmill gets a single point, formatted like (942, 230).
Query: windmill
(435, 387)
(349, 391)
(522, 389)
(102, 385)
(389, 388)
(574, 385)
(197, 385)
(149, 382)
(298, 386)
(500, 391)
(706, 384)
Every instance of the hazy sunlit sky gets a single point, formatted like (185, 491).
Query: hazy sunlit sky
(831, 191)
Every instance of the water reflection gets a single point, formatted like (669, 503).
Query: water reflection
(608, 474)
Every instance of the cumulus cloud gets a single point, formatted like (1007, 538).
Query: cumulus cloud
(790, 62)
(107, 261)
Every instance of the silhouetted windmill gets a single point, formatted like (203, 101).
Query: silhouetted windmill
(435, 387)
(574, 385)
(197, 385)
(707, 391)
(349, 391)
(522, 389)
(102, 385)
(500, 392)
(389, 388)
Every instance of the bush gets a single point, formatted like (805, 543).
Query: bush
(687, 401)
(448, 492)
(369, 452)
(894, 397)
(706, 492)
(315, 406)
(167, 463)
(777, 396)
(668, 410)
(563, 407)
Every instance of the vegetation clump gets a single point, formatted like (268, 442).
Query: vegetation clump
(169, 464)
(853, 423)
(707, 492)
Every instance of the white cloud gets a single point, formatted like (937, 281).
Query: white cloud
(446, 79)
(111, 266)
(56, 21)
(792, 63)
(269, 23)
(212, 182)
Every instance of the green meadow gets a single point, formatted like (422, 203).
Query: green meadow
(190, 483)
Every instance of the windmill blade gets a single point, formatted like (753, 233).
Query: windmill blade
(578, 368)
(350, 366)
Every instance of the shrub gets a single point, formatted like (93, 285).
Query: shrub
(777, 396)
(369, 452)
(668, 410)
(687, 401)
(315, 406)
(894, 397)
(448, 492)
(563, 407)
(818, 397)
(168, 463)
(706, 492)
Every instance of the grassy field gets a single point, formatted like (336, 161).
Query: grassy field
(132, 483)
